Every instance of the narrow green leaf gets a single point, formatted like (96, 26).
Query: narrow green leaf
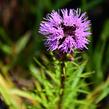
(21, 43)
(105, 32)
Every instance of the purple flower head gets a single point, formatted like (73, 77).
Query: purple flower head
(66, 30)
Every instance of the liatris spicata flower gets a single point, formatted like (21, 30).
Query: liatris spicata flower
(66, 30)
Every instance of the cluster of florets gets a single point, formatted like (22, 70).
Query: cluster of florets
(66, 30)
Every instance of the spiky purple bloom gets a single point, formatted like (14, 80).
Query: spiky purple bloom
(66, 30)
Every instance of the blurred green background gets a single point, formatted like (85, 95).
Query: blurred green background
(20, 41)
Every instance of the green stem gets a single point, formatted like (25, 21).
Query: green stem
(62, 85)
